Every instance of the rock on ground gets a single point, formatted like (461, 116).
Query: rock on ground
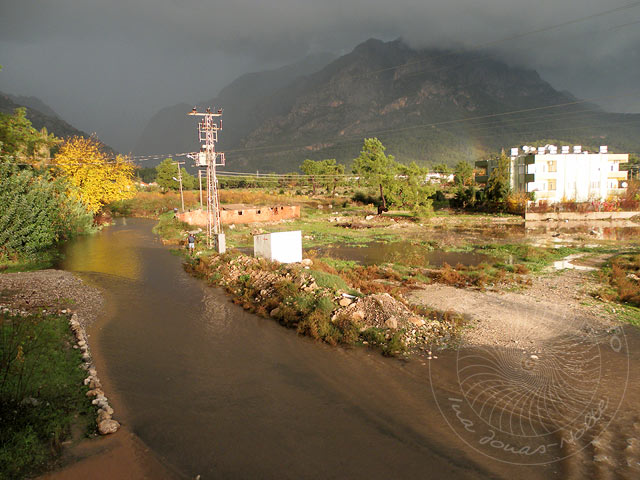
(381, 311)
(107, 427)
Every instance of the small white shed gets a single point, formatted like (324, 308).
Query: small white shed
(283, 247)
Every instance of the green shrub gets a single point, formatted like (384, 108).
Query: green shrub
(329, 280)
(35, 212)
(394, 345)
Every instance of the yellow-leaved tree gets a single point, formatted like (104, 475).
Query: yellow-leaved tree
(93, 177)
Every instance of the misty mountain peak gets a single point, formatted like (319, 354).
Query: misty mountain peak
(397, 93)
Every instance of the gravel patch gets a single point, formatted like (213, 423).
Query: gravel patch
(554, 305)
(51, 290)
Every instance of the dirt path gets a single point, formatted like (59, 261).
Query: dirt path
(557, 303)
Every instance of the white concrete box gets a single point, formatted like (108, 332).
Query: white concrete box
(283, 247)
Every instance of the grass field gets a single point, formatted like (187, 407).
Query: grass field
(42, 396)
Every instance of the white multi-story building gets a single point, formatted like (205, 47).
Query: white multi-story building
(568, 174)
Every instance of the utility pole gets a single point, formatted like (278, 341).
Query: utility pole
(180, 181)
(200, 182)
(208, 136)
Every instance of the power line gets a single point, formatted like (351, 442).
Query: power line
(625, 25)
(514, 124)
(358, 142)
(272, 176)
(433, 124)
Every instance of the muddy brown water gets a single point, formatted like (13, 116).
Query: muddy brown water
(217, 392)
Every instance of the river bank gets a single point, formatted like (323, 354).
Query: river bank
(320, 304)
(437, 298)
(79, 449)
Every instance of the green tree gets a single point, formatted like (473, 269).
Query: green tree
(464, 196)
(323, 172)
(399, 185)
(632, 166)
(499, 184)
(442, 168)
(146, 174)
(168, 170)
(332, 172)
(411, 190)
(463, 173)
(20, 142)
(376, 169)
(312, 169)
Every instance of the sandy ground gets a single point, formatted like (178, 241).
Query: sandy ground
(556, 304)
(118, 456)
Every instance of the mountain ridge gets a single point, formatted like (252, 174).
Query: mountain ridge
(170, 130)
(40, 115)
(428, 105)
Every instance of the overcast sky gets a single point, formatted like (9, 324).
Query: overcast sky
(108, 65)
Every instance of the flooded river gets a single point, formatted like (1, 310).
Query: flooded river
(217, 392)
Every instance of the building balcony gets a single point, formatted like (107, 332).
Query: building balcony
(545, 194)
(620, 174)
(482, 178)
(616, 192)
(529, 177)
(482, 163)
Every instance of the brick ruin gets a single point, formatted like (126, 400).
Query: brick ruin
(242, 214)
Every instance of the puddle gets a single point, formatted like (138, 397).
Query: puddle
(588, 230)
(376, 253)
(406, 253)
(567, 262)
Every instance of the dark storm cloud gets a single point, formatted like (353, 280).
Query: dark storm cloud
(109, 65)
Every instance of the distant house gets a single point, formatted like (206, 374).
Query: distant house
(439, 177)
(570, 174)
(142, 184)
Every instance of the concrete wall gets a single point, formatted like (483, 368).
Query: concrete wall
(538, 217)
(246, 215)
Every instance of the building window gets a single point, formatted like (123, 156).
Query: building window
(552, 185)
(553, 166)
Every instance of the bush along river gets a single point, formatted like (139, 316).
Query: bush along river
(219, 392)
